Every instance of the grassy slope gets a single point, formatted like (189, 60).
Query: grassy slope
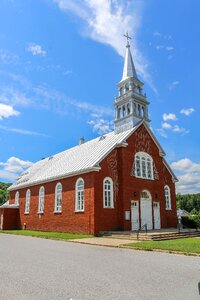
(187, 245)
(47, 235)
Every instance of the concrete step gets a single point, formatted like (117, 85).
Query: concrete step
(143, 236)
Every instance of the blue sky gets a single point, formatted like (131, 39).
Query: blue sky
(60, 61)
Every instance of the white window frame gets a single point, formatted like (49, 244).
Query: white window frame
(17, 198)
(41, 200)
(168, 205)
(58, 198)
(79, 201)
(144, 166)
(27, 203)
(108, 193)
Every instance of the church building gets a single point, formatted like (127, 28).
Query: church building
(118, 181)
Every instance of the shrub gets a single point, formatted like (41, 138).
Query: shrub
(191, 221)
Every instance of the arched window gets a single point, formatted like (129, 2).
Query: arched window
(17, 198)
(108, 193)
(145, 194)
(123, 111)
(143, 165)
(58, 197)
(167, 197)
(127, 87)
(139, 110)
(79, 195)
(41, 200)
(27, 203)
(121, 91)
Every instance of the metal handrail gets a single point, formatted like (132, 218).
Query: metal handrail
(138, 231)
(181, 226)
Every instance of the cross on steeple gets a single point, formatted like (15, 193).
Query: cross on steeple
(128, 37)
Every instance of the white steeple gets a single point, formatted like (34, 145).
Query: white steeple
(131, 105)
(129, 68)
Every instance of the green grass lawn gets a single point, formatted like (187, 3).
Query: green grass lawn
(187, 245)
(48, 235)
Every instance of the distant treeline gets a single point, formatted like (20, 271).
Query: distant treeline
(189, 202)
(3, 192)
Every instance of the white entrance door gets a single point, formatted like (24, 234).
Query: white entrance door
(134, 215)
(146, 212)
(156, 215)
(1, 221)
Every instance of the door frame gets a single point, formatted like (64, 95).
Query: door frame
(134, 204)
(158, 205)
(1, 220)
(147, 197)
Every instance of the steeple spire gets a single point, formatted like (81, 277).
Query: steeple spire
(131, 105)
(129, 68)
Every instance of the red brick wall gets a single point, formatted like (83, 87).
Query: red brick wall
(117, 165)
(129, 187)
(66, 221)
(10, 218)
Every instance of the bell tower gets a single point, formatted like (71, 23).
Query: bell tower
(131, 105)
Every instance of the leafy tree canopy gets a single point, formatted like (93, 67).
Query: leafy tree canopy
(3, 192)
(189, 202)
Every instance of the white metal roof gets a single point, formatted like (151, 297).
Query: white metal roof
(7, 205)
(129, 68)
(80, 159)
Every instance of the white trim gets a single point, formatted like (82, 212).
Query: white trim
(41, 200)
(17, 198)
(58, 207)
(79, 203)
(175, 179)
(143, 157)
(107, 193)
(27, 202)
(55, 178)
(168, 204)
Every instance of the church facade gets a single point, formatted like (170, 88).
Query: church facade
(119, 181)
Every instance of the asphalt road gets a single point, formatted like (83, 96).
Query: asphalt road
(33, 268)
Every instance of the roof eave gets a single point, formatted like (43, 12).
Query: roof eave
(175, 179)
(93, 169)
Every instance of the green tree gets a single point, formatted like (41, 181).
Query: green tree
(188, 202)
(4, 194)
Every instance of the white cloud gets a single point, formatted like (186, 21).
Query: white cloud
(189, 176)
(11, 169)
(8, 58)
(160, 35)
(157, 33)
(7, 111)
(36, 49)
(167, 48)
(13, 96)
(174, 84)
(101, 126)
(22, 93)
(166, 125)
(186, 165)
(177, 128)
(170, 116)
(162, 132)
(107, 21)
(187, 111)
(22, 131)
(67, 72)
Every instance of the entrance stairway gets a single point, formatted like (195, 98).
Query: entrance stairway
(152, 235)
